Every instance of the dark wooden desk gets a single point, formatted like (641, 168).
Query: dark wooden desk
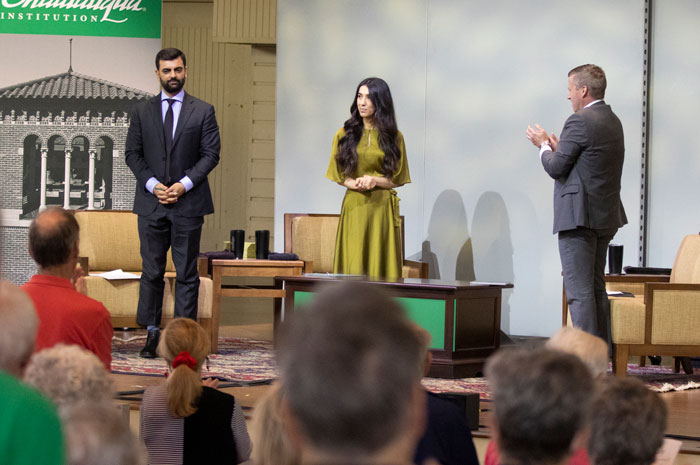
(464, 319)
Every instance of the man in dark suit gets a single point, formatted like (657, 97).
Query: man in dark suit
(172, 145)
(586, 165)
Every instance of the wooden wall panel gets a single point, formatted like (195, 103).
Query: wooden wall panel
(218, 73)
(245, 21)
(261, 167)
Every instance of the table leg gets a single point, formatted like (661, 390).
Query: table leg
(215, 309)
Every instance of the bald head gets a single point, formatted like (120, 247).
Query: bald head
(18, 326)
(52, 237)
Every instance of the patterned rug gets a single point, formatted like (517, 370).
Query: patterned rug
(250, 360)
(239, 359)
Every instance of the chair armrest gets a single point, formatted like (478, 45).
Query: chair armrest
(203, 267)
(637, 278)
(650, 288)
(308, 266)
(421, 267)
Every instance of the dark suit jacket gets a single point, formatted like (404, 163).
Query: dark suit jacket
(195, 153)
(586, 169)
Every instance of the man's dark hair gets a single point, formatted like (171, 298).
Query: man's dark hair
(625, 411)
(541, 400)
(170, 54)
(52, 236)
(591, 76)
(351, 365)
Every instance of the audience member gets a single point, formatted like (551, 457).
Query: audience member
(97, 434)
(18, 326)
(351, 367)
(65, 315)
(447, 437)
(591, 350)
(628, 425)
(183, 421)
(271, 444)
(67, 374)
(27, 417)
(541, 400)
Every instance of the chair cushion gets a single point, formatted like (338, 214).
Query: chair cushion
(627, 317)
(313, 239)
(121, 297)
(110, 240)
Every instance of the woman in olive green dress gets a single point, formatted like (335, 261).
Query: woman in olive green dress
(369, 159)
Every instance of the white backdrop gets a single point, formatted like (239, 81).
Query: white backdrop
(467, 78)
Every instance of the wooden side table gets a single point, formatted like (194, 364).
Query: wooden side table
(247, 268)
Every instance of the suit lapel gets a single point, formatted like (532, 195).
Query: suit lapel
(185, 113)
(157, 119)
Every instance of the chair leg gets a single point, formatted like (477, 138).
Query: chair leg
(621, 354)
(642, 360)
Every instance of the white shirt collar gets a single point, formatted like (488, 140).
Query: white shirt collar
(179, 96)
(593, 102)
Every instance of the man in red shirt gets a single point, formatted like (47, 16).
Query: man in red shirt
(65, 315)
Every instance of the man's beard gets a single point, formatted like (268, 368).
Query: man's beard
(173, 85)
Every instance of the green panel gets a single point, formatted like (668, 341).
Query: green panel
(106, 18)
(427, 313)
(302, 298)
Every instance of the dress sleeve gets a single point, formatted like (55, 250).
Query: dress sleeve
(240, 434)
(402, 175)
(333, 173)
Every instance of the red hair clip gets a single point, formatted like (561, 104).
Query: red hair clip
(184, 358)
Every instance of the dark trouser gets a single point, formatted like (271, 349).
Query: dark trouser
(582, 252)
(158, 232)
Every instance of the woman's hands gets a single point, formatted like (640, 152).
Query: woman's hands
(367, 182)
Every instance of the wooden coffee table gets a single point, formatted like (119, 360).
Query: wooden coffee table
(247, 267)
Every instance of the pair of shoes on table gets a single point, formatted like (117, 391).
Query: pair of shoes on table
(149, 351)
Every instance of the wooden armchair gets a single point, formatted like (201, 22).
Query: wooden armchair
(664, 318)
(109, 240)
(312, 237)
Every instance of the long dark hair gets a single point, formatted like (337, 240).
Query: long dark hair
(384, 121)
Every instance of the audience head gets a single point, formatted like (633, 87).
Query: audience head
(592, 77)
(97, 434)
(592, 350)
(53, 238)
(185, 346)
(628, 425)
(18, 327)
(68, 374)
(541, 399)
(351, 364)
(272, 444)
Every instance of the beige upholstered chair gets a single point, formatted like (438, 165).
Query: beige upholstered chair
(110, 240)
(312, 237)
(664, 318)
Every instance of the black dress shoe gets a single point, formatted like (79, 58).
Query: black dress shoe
(149, 351)
(655, 359)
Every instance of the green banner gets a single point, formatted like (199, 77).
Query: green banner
(106, 18)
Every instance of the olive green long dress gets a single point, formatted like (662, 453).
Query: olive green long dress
(368, 241)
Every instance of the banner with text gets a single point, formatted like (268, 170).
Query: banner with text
(111, 18)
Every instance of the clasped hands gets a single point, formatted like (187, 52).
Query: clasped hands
(538, 135)
(365, 183)
(168, 195)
